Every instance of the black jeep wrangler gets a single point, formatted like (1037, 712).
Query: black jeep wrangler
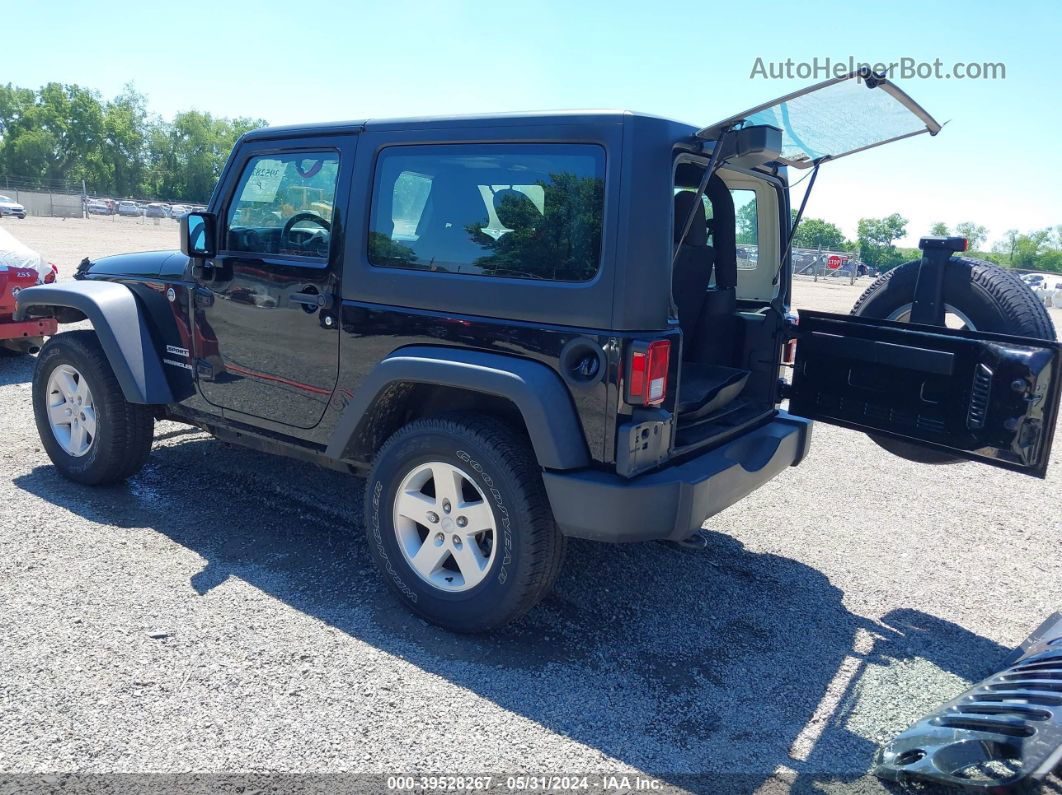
(527, 327)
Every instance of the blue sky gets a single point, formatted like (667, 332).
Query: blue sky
(994, 163)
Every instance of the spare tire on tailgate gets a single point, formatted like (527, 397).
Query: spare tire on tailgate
(977, 295)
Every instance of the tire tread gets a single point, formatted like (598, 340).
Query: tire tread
(1003, 287)
(546, 545)
(130, 427)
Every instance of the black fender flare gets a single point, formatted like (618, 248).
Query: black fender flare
(119, 324)
(537, 392)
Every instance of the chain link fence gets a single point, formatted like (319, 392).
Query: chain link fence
(66, 199)
(816, 264)
(58, 205)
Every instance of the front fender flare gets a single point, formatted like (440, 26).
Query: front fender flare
(119, 324)
(537, 392)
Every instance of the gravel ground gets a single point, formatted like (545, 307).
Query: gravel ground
(219, 613)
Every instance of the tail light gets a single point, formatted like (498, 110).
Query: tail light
(792, 320)
(789, 353)
(647, 373)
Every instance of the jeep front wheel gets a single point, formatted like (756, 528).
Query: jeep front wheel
(459, 523)
(89, 430)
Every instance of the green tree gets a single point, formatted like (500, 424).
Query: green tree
(1023, 249)
(68, 133)
(877, 238)
(14, 102)
(187, 154)
(747, 224)
(125, 125)
(561, 242)
(815, 232)
(939, 229)
(57, 136)
(974, 233)
(1050, 260)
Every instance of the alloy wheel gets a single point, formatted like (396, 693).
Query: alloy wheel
(71, 412)
(445, 527)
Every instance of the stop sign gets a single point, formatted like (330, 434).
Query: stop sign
(833, 262)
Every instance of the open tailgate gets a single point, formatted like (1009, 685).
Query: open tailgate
(835, 118)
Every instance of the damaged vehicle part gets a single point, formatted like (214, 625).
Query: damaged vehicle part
(999, 736)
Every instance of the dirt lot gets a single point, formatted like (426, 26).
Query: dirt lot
(219, 613)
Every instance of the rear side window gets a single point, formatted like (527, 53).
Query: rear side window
(515, 210)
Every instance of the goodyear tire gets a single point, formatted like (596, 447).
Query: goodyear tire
(978, 294)
(89, 430)
(459, 524)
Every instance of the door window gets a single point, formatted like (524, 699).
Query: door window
(284, 204)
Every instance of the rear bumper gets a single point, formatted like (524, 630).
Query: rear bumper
(673, 502)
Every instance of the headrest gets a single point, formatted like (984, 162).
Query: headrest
(686, 200)
(457, 203)
(516, 210)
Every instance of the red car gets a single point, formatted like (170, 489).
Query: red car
(21, 267)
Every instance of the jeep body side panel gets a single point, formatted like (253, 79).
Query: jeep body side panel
(643, 264)
(536, 391)
(370, 333)
(121, 328)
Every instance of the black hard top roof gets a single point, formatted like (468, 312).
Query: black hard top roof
(518, 119)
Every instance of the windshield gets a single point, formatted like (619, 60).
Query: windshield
(836, 118)
(6, 199)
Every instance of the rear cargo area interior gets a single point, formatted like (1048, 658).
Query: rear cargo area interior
(729, 348)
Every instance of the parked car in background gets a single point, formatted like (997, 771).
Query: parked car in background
(128, 208)
(178, 210)
(98, 207)
(9, 206)
(1049, 289)
(155, 210)
(1044, 286)
(1034, 279)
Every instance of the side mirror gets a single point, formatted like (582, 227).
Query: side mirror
(199, 235)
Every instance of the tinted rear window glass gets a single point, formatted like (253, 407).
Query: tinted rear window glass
(515, 210)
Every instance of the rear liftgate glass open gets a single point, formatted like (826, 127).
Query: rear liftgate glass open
(724, 385)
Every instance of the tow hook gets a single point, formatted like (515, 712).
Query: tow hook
(696, 541)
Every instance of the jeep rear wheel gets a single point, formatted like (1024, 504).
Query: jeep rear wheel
(89, 430)
(978, 296)
(459, 523)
